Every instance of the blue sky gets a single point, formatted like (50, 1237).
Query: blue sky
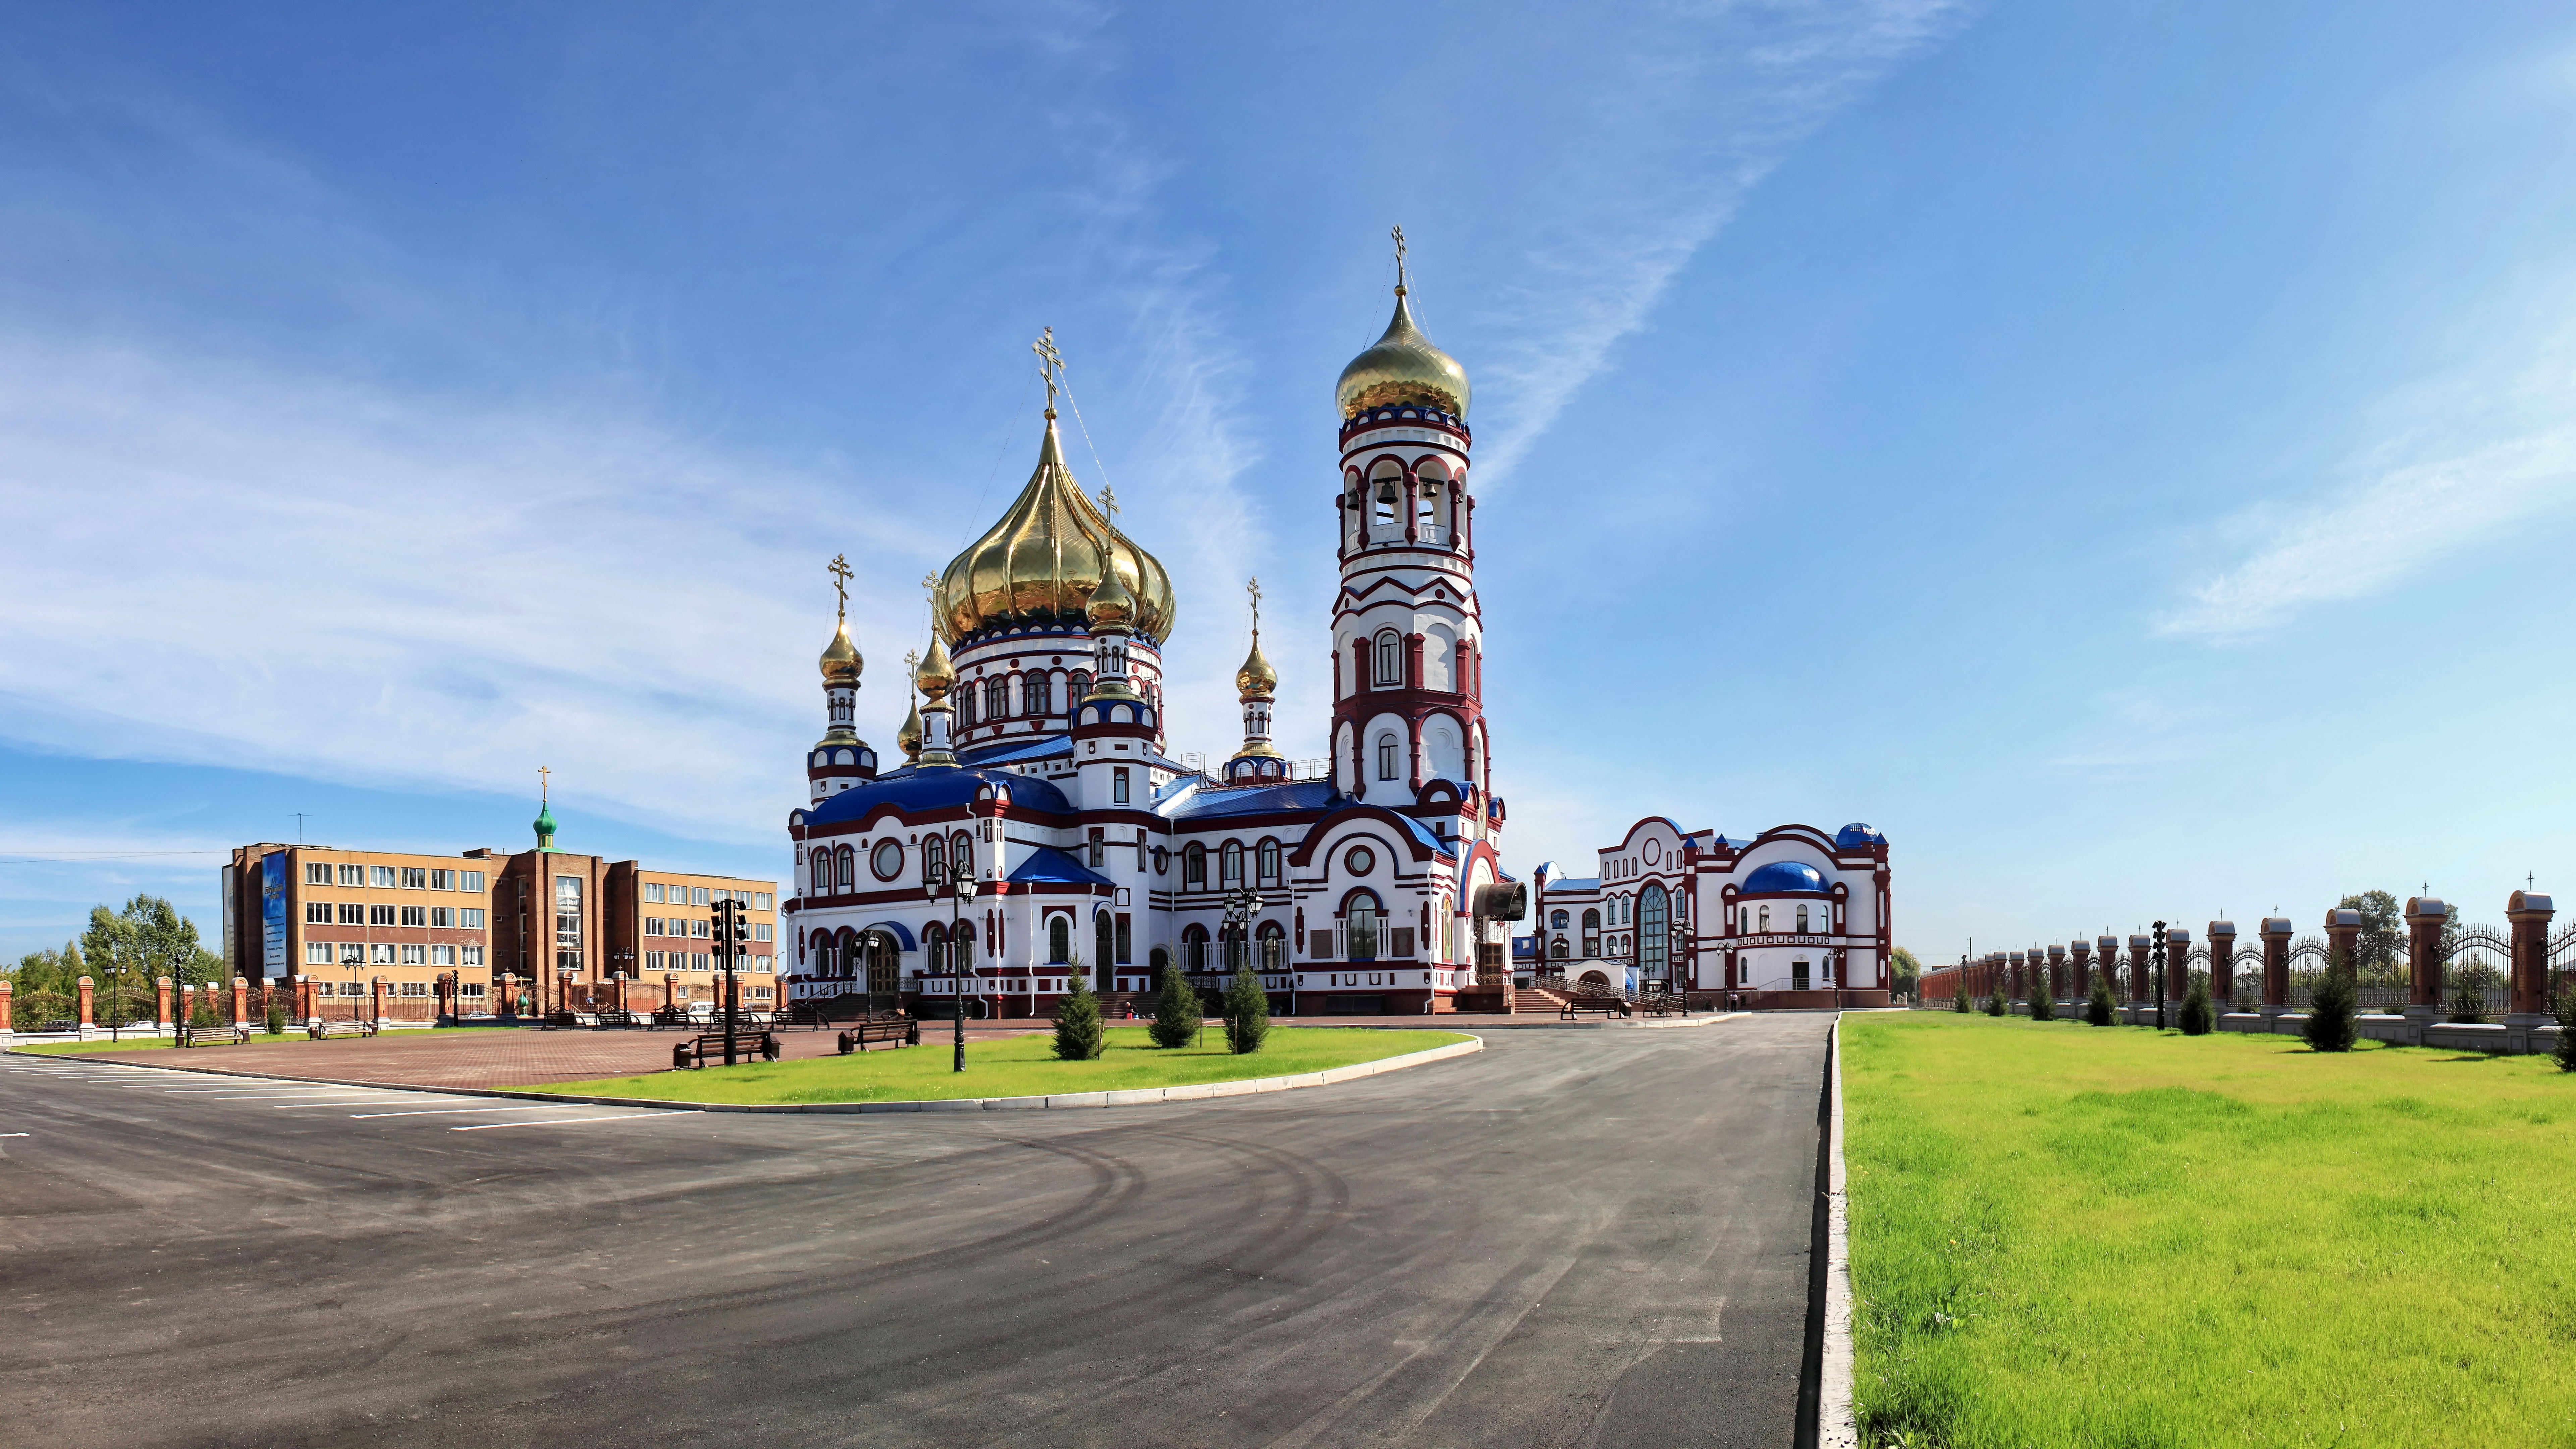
(2124, 452)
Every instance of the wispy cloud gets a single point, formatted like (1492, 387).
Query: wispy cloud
(1713, 99)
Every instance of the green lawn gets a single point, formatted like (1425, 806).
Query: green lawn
(2072, 1235)
(1023, 1066)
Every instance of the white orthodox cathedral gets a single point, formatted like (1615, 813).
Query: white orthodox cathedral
(1040, 827)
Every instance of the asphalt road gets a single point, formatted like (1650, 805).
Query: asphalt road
(1573, 1238)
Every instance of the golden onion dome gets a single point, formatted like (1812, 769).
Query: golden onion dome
(1111, 606)
(936, 673)
(1044, 560)
(1402, 367)
(1256, 679)
(908, 737)
(841, 662)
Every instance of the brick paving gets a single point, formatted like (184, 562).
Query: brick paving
(529, 1056)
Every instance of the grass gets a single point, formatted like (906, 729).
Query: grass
(2068, 1235)
(257, 1038)
(1022, 1066)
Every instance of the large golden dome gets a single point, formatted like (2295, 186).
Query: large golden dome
(1041, 563)
(1402, 367)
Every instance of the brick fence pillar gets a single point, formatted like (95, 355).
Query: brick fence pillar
(2177, 964)
(2142, 973)
(5, 1027)
(241, 1001)
(2056, 972)
(161, 1017)
(2222, 966)
(2016, 983)
(2276, 965)
(2529, 912)
(2106, 959)
(88, 1002)
(306, 1002)
(2082, 967)
(2425, 918)
(2343, 938)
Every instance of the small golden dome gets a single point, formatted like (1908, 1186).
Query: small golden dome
(908, 738)
(1402, 367)
(1043, 560)
(936, 673)
(1256, 679)
(841, 662)
(1111, 605)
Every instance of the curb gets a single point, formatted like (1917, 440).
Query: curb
(1130, 1097)
(1836, 1428)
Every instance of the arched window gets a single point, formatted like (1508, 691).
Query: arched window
(1194, 867)
(1104, 938)
(1385, 514)
(1362, 922)
(823, 956)
(1654, 934)
(961, 855)
(844, 867)
(1194, 942)
(961, 951)
(1033, 693)
(1237, 953)
(1802, 920)
(934, 861)
(1077, 691)
(1390, 658)
(1559, 952)
(1268, 862)
(1764, 928)
(1558, 920)
(997, 698)
(1386, 757)
(1059, 940)
(1229, 865)
(934, 948)
(1273, 941)
(1591, 933)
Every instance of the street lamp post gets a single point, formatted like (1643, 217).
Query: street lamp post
(1241, 905)
(960, 895)
(2157, 955)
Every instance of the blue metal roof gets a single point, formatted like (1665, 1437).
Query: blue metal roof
(1017, 752)
(916, 791)
(1786, 876)
(1259, 800)
(1857, 836)
(1048, 864)
(1572, 883)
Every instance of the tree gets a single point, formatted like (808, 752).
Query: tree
(147, 940)
(2331, 1026)
(2564, 1052)
(1903, 971)
(1178, 1013)
(1079, 1036)
(2197, 1018)
(1959, 994)
(1247, 1011)
(2383, 933)
(2099, 1009)
(1995, 1004)
(2041, 1007)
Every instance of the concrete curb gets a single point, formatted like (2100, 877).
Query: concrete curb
(1836, 1428)
(1133, 1097)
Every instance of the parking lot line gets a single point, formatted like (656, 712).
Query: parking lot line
(569, 1121)
(451, 1111)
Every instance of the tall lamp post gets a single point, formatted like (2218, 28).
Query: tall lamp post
(1241, 905)
(2157, 955)
(961, 894)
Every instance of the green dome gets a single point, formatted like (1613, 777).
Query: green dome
(545, 827)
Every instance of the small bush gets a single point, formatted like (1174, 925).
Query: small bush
(2041, 1007)
(1995, 1005)
(2469, 991)
(1247, 1012)
(276, 1022)
(2331, 1026)
(2564, 1053)
(1959, 999)
(1178, 1014)
(2099, 1008)
(1079, 1036)
(2197, 1019)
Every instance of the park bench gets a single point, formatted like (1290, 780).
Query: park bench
(1664, 1003)
(1605, 1002)
(749, 1045)
(881, 1026)
(195, 1036)
(616, 1016)
(325, 1030)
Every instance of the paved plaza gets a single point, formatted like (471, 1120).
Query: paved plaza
(1594, 1237)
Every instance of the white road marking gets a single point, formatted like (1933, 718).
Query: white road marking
(326, 1102)
(452, 1111)
(12, 1134)
(568, 1121)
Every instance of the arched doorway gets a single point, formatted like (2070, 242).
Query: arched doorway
(883, 966)
(1654, 935)
(1104, 943)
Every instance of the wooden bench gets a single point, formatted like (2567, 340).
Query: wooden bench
(748, 1045)
(890, 1026)
(325, 1030)
(1605, 1002)
(1664, 1004)
(616, 1016)
(194, 1036)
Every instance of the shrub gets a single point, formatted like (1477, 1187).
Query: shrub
(1079, 1036)
(2564, 1053)
(1247, 1012)
(2099, 1008)
(1959, 998)
(276, 1022)
(2197, 1018)
(2469, 991)
(2041, 1007)
(1995, 1004)
(2331, 1009)
(1178, 1015)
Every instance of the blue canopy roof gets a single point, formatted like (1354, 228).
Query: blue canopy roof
(1260, 800)
(1048, 864)
(917, 791)
(1786, 877)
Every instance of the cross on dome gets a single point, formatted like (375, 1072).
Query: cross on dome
(839, 569)
(1050, 365)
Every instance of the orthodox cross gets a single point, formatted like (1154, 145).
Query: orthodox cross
(1254, 589)
(912, 667)
(930, 597)
(542, 782)
(840, 572)
(1398, 233)
(1109, 507)
(1050, 365)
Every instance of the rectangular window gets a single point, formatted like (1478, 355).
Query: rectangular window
(415, 988)
(380, 915)
(470, 919)
(381, 954)
(653, 925)
(697, 895)
(469, 955)
(764, 901)
(697, 960)
(1118, 786)
(442, 955)
(762, 992)
(317, 913)
(652, 960)
(415, 955)
(316, 873)
(471, 880)
(317, 953)
(381, 876)
(763, 931)
(473, 989)
(415, 915)
(353, 875)
(443, 917)
(415, 877)
(698, 929)
(352, 988)
(653, 892)
(1124, 949)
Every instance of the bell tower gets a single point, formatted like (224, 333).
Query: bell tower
(1408, 656)
(840, 759)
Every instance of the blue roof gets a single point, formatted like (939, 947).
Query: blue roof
(1786, 876)
(1047, 863)
(1857, 836)
(1018, 752)
(917, 791)
(1572, 883)
(1259, 800)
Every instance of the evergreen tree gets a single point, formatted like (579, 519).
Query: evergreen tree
(2332, 1008)
(2099, 1008)
(2041, 1007)
(1959, 997)
(1178, 1013)
(2196, 1017)
(1995, 1005)
(2564, 1053)
(1079, 1036)
(1247, 1012)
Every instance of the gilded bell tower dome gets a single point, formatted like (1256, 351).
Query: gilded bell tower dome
(1402, 367)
